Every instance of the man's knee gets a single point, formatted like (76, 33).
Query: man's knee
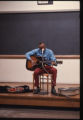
(37, 71)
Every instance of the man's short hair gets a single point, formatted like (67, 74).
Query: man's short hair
(41, 43)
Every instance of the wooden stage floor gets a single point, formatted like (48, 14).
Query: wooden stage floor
(31, 99)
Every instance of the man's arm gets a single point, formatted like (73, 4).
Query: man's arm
(52, 57)
(28, 54)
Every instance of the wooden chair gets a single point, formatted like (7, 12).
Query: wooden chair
(43, 77)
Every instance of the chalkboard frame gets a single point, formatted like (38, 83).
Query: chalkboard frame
(23, 57)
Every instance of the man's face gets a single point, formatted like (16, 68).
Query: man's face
(41, 46)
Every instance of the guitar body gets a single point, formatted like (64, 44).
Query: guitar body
(37, 63)
(29, 64)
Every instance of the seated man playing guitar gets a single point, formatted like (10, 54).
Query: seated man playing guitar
(48, 54)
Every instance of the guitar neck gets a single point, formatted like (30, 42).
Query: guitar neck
(48, 61)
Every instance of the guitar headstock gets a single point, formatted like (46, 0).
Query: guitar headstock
(59, 62)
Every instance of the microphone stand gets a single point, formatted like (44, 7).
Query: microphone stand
(43, 92)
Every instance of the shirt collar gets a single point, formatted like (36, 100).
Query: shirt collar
(41, 51)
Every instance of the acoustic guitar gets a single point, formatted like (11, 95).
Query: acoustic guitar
(37, 63)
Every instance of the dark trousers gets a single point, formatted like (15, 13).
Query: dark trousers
(39, 71)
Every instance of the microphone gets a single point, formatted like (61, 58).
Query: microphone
(42, 50)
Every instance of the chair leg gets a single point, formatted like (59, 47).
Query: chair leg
(40, 82)
(33, 82)
(51, 81)
(47, 84)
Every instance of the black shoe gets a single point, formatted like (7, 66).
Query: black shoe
(53, 91)
(36, 91)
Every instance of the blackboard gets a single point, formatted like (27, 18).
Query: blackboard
(21, 32)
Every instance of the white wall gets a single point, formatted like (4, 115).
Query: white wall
(31, 6)
(14, 70)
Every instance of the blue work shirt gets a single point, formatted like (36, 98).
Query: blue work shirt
(47, 54)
